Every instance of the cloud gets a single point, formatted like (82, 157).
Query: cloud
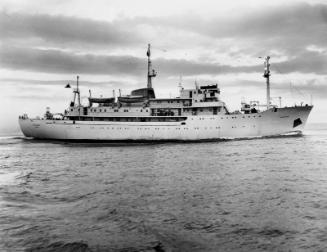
(300, 24)
(283, 31)
(65, 30)
(45, 83)
(287, 28)
(305, 62)
(56, 61)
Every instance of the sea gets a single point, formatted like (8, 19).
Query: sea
(263, 194)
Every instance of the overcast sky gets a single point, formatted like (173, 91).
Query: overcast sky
(45, 44)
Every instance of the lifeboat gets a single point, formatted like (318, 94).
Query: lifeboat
(102, 100)
(132, 99)
(138, 95)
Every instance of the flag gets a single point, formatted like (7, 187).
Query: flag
(67, 86)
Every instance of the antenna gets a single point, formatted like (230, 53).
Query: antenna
(90, 103)
(196, 84)
(266, 75)
(76, 92)
(151, 72)
(180, 84)
(78, 95)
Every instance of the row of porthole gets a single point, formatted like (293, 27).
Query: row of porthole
(233, 117)
(116, 110)
(196, 128)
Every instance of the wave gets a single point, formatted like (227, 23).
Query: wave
(62, 247)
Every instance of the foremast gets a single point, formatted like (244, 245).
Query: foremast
(77, 95)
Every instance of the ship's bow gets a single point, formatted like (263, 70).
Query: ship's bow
(300, 116)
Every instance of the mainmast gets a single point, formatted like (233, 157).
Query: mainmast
(266, 75)
(78, 93)
(151, 72)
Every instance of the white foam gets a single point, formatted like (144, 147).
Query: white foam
(9, 178)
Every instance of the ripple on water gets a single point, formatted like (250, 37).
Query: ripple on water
(254, 195)
(62, 247)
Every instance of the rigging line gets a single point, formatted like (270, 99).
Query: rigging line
(274, 66)
(299, 91)
(292, 86)
(160, 49)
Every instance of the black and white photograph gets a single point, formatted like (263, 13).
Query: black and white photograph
(163, 126)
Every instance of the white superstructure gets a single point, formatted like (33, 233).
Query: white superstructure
(197, 114)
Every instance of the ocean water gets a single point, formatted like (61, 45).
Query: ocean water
(266, 194)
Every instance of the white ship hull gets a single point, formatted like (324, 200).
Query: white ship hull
(271, 122)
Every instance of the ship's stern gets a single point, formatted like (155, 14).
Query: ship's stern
(25, 125)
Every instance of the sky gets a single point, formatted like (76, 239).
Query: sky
(45, 44)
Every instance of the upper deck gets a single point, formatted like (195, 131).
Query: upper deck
(202, 100)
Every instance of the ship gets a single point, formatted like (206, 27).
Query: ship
(196, 114)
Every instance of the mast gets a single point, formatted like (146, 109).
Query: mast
(180, 84)
(151, 72)
(266, 75)
(78, 96)
(78, 93)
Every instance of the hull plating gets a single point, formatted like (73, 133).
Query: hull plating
(268, 123)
